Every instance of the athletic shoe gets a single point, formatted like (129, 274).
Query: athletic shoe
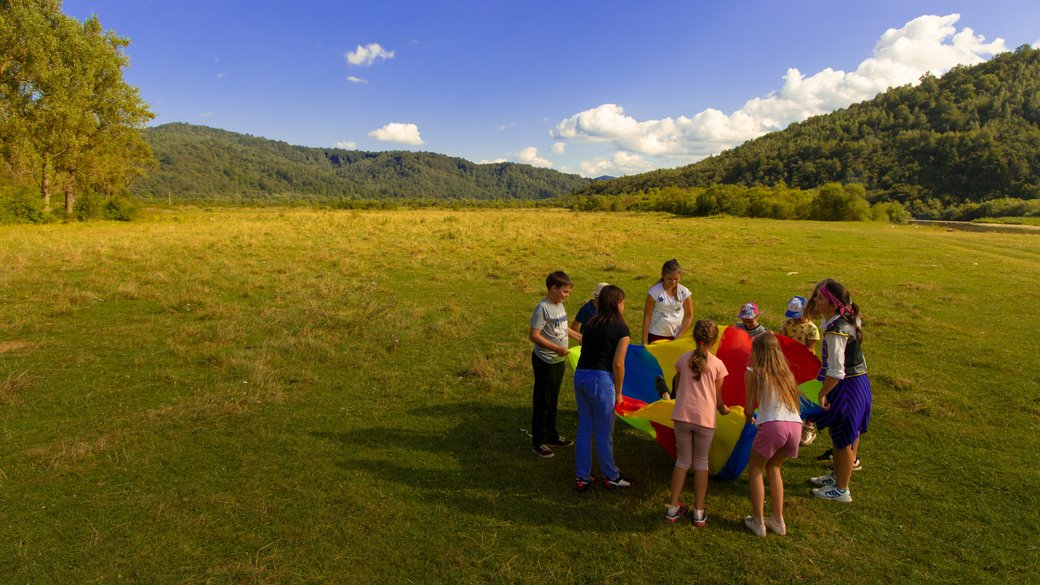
(757, 527)
(583, 484)
(619, 483)
(808, 434)
(833, 493)
(561, 442)
(699, 517)
(827, 456)
(543, 451)
(679, 513)
(662, 388)
(777, 527)
(824, 480)
(856, 466)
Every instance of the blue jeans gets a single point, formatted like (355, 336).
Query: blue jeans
(594, 395)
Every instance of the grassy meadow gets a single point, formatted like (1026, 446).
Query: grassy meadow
(305, 396)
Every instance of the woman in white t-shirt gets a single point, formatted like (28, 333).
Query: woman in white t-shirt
(668, 311)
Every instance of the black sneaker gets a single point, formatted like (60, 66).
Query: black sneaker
(543, 451)
(581, 485)
(619, 483)
(562, 442)
(662, 388)
(827, 456)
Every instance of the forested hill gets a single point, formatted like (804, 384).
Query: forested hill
(198, 163)
(972, 135)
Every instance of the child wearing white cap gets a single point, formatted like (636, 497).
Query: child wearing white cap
(589, 309)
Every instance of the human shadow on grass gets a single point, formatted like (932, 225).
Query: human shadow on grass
(483, 465)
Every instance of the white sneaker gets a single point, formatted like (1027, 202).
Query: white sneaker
(757, 527)
(777, 527)
(833, 493)
(824, 480)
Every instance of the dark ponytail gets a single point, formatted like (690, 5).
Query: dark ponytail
(705, 332)
(608, 306)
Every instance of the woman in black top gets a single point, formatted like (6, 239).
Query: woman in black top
(597, 389)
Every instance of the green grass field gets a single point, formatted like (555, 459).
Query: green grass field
(301, 396)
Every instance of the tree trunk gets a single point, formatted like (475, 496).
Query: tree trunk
(45, 189)
(68, 201)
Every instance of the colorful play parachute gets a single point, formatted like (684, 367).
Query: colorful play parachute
(731, 448)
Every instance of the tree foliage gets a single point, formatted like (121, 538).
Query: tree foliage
(968, 137)
(68, 120)
(197, 163)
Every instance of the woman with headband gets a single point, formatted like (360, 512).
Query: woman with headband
(845, 396)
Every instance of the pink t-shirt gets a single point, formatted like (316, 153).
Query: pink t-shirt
(695, 399)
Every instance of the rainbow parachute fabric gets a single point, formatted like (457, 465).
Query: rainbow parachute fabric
(731, 447)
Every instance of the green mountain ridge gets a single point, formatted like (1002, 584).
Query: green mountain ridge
(972, 135)
(199, 163)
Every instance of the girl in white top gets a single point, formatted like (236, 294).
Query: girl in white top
(668, 311)
(769, 382)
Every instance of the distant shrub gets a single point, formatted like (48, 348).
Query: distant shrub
(121, 208)
(88, 205)
(835, 202)
(890, 211)
(19, 204)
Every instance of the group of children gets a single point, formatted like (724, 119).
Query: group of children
(845, 396)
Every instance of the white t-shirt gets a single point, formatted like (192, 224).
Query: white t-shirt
(551, 320)
(770, 410)
(668, 310)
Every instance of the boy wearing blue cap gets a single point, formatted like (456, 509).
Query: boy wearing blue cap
(799, 328)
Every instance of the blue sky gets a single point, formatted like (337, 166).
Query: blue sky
(593, 88)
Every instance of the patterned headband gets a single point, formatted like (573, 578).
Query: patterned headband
(843, 309)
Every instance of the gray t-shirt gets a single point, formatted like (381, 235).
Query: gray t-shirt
(551, 320)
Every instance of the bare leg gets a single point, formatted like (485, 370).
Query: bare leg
(843, 459)
(776, 485)
(756, 487)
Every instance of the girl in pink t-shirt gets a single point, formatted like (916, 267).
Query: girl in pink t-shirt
(698, 397)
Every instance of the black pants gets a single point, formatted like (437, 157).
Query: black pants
(547, 381)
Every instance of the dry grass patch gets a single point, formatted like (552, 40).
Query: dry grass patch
(13, 386)
(6, 346)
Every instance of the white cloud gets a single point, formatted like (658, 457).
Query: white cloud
(530, 156)
(559, 147)
(396, 132)
(368, 54)
(347, 145)
(220, 75)
(901, 56)
(492, 162)
(206, 115)
(507, 126)
(620, 163)
(356, 79)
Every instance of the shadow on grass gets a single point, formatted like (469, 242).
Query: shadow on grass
(483, 466)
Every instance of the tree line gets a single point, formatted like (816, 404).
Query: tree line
(198, 163)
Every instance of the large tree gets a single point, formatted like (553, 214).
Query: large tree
(68, 119)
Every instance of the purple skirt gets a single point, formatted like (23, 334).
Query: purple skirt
(849, 413)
